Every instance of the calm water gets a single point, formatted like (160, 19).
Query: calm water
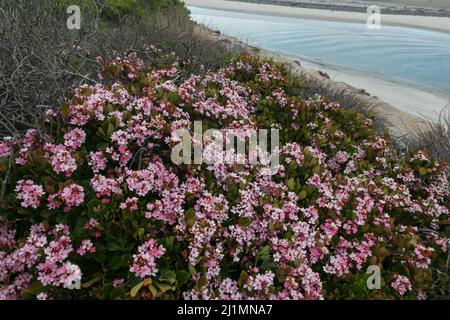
(412, 55)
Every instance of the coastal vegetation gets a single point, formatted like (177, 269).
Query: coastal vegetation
(93, 207)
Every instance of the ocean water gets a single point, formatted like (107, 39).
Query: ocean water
(410, 55)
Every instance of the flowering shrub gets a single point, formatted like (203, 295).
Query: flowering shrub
(96, 199)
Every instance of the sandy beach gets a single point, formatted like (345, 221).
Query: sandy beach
(413, 99)
(401, 104)
(436, 8)
(441, 24)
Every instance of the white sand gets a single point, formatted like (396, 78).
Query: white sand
(406, 97)
(441, 24)
(402, 120)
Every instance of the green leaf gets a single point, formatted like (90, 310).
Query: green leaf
(242, 278)
(93, 205)
(91, 282)
(422, 171)
(245, 221)
(191, 269)
(110, 130)
(189, 217)
(113, 246)
(168, 276)
(109, 108)
(65, 110)
(182, 277)
(302, 195)
(135, 290)
(291, 184)
(164, 287)
(134, 89)
(34, 288)
(233, 190)
(265, 252)
(101, 133)
(292, 167)
(141, 233)
(174, 97)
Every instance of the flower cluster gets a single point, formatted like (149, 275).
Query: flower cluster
(74, 138)
(86, 247)
(44, 253)
(144, 263)
(61, 159)
(29, 193)
(401, 284)
(97, 161)
(5, 147)
(70, 196)
(102, 181)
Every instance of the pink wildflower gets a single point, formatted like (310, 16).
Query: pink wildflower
(29, 193)
(86, 247)
(401, 284)
(97, 161)
(144, 263)
(74, 138)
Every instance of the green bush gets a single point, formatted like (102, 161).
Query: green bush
(96, 197)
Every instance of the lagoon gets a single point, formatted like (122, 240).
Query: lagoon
(415, 56)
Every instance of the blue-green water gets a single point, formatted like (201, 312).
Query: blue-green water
(416, 56)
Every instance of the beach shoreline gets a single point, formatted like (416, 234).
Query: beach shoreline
(349, 85)
(399, 123)
(432, 23)
(419, 101)
(395, 7)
